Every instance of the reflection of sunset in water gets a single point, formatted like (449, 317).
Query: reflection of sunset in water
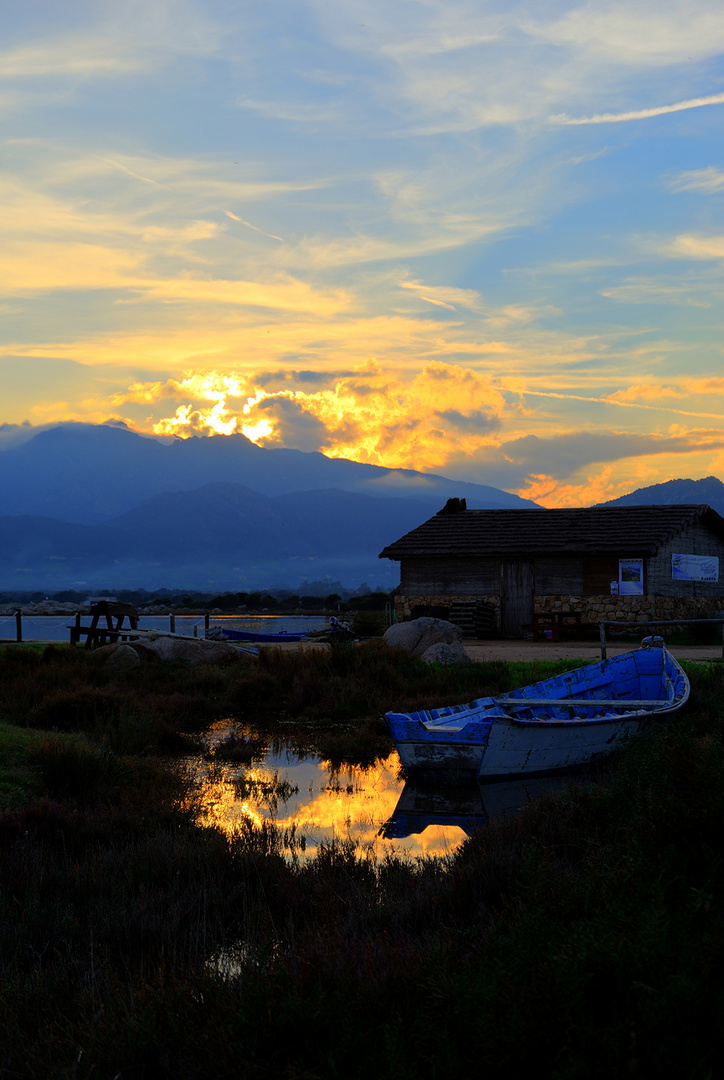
(323, 805)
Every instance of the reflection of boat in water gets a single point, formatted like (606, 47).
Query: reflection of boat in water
(468, 806)
(554, 725)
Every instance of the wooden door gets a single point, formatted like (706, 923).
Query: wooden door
(516, 596)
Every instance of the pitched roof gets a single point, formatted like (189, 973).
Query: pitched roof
(640, 530)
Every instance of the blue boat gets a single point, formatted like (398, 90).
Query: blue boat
(552, 726)
(221, 633)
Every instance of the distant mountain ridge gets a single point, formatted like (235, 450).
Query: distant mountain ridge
(709, 490)
(92, 473)
(106, 507)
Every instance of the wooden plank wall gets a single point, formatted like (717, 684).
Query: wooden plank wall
(692, 541)
(587, 575)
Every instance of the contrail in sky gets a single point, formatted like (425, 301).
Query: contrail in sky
(639, 114)
(621, 404)
(129, 172)
(256, 228)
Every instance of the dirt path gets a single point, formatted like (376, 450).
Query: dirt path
(568, 650)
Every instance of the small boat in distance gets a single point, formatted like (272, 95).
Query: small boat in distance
(551, 726)
(221, 633)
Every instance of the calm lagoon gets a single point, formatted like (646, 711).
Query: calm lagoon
(312, 803)
(55, 627)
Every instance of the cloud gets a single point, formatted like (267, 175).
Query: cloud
(709, 180)
(374, 415)
(286, 294)
(646, 392)
(76, 57)
(637, 34)
(638, 114)
(43, 267)
(658, 290)
(696, 246)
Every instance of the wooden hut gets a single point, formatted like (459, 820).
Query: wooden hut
(631, 563)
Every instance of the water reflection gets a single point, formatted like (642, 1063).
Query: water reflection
(466, 807)
(311, 803)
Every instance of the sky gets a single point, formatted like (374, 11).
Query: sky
(479, 239)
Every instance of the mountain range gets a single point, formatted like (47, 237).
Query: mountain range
(104, 507)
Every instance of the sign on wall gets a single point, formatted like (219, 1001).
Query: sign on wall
(695, 567)
(631, 577)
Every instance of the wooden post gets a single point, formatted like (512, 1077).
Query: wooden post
(196, 630)
(18, 625)
(172, 622)
(602, 628)
(207, 617)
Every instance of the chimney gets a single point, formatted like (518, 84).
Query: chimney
(454, 506)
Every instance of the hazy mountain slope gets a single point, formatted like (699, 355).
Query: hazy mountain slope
(221, 532)
(90, 474)
(709, 490)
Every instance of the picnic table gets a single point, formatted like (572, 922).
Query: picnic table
(114, 614)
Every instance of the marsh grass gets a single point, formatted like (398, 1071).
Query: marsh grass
(583, 938)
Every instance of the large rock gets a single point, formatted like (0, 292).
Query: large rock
(194, 651)
(446, 653)
(121, 657)
(419, 635)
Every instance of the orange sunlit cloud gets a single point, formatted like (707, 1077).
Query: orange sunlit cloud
(645, 392)
(549, 492)
(372, 415)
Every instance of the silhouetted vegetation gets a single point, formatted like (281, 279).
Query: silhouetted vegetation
(581, 939)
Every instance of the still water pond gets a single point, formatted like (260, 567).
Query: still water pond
(312, 803)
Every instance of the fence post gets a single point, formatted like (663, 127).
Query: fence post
(207, 617)
(602, 628)
(18, 625)
(172, 622)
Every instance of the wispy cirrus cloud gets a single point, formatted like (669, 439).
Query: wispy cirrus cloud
(709, 180)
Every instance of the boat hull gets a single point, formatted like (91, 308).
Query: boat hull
(250, 635)
(554, 726)
(510, 749)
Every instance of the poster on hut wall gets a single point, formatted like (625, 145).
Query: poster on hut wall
(695, 567)
(631, 577)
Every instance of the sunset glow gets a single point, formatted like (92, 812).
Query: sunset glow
(485, 243)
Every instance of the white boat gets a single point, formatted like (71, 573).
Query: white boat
(552, 726)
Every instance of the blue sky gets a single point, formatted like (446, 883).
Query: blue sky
(483, 240)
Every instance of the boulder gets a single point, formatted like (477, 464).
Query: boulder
(446, 653)
(419, 635)
(122, 657)
(154, 649)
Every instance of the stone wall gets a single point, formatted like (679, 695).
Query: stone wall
(594, 609)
